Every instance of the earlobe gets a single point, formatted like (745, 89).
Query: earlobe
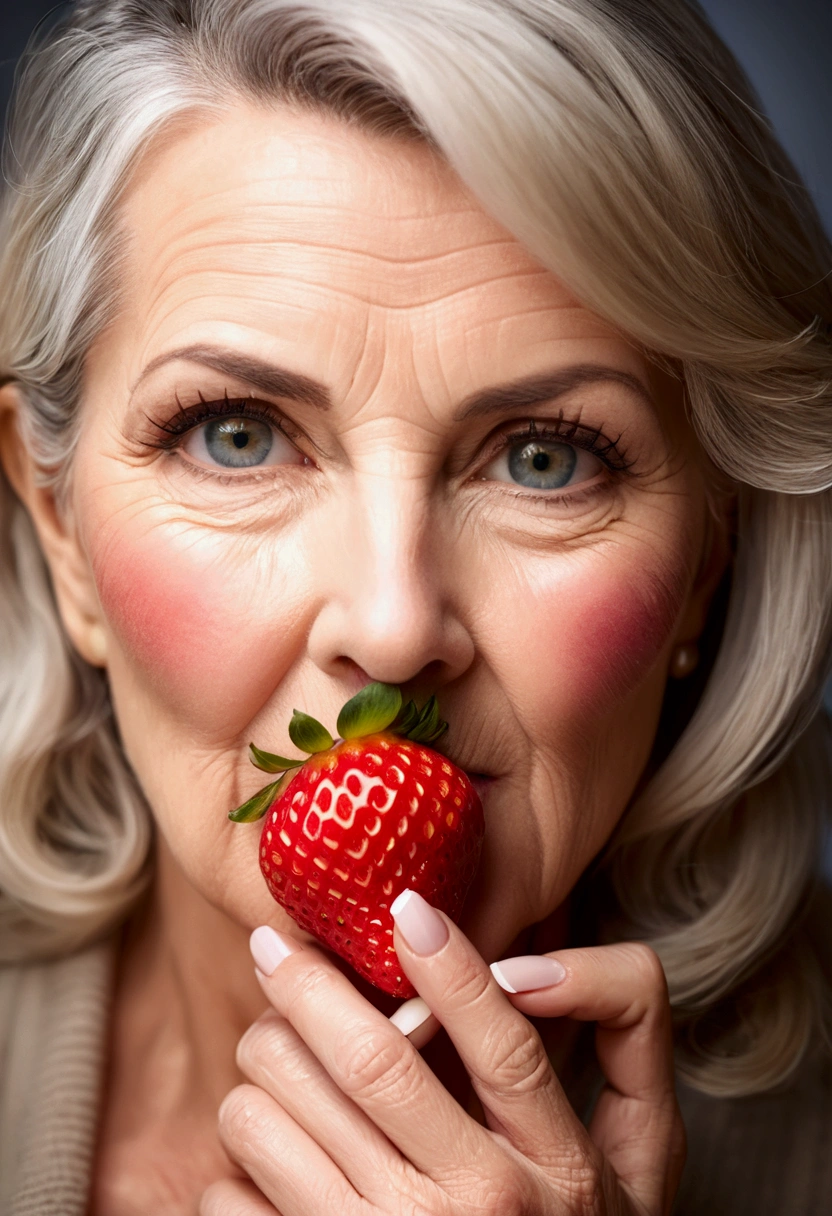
(96, 646)
(716, 550)
(12, 450)
(72, 578)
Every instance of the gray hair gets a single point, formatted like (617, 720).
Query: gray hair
(619, 141)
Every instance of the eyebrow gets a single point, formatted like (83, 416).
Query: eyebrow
(515, 395)
(532, 390)
(275, 381)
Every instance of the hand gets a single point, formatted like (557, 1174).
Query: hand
(344, 1117)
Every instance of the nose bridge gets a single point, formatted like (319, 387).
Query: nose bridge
(384, 606)
(394, 526)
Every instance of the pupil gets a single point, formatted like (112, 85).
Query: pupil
(541, 461)
(241, 439)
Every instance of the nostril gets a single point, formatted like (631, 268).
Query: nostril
(355, 677)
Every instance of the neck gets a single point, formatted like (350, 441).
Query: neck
(186, 991)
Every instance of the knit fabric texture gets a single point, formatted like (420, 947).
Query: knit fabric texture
(53, 1035)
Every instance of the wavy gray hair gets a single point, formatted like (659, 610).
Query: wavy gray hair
(620, 142)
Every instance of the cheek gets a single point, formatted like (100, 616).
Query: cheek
(597, 637)
(619, 629)
(208, 638)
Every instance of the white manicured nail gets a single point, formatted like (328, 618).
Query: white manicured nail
(528, 973)
(410, 1015)
(269, 948)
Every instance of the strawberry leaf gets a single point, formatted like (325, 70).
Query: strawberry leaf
(257, 806)
(440, 730)
(267, 762)
(428, 723)
(406, 719)
(372, 709)
(308, 735)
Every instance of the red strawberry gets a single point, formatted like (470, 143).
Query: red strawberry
(361, 820)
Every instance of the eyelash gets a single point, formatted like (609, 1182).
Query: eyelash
(187, 418)
(566, 430)
(560, 430)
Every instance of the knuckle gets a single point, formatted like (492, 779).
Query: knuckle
(467, 984)
(491, 1189)
(243, 1116)
(518, 1063)
(581, 1180)
(311, 984)
(648, 968)
(505, 1195)
(261, 1037)
(376, 1067)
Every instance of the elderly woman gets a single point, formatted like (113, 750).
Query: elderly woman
(479, 347)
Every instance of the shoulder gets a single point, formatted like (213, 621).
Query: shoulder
(766, 1155)
(42, 1003)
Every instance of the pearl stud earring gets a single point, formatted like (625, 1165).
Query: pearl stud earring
(683, 661)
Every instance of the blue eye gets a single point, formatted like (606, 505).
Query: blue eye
(240, 442)
(543, 464)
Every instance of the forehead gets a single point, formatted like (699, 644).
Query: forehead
(358, 260)
(273, 193)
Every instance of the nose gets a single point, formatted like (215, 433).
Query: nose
(391, 592)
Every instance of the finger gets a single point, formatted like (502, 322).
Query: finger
(368, 1058)
(621, 987)
(233, 1197)
(636, 1123)
(274, 1056)
(288, 1166)
(501, 1050)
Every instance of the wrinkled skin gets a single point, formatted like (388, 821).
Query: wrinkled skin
(384, 536)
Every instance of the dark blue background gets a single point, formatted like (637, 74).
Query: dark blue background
(784, 45)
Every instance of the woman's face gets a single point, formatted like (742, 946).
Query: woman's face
(345, 428)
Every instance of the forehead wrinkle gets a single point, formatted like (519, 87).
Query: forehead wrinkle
(441, 226)
(424, 240)
(345, 175)
(427, 272)
(430, 296)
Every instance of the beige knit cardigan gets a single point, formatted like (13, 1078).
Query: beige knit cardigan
(762, 1156)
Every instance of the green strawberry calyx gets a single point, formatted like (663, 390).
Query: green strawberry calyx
(376, 708)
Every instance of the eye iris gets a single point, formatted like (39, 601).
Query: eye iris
(238, 443)
(541, 465)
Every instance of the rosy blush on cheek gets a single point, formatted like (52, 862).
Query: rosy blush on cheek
(597, 636)
(208, 640)
(623, 626)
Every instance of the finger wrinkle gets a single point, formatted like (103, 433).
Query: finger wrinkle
(391, 1071)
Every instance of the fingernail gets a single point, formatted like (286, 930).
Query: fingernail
(409, 1016)
(528, 972)
(420, 925)
(268, 948)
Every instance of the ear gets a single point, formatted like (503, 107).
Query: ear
(71, 573)
(716, 558)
